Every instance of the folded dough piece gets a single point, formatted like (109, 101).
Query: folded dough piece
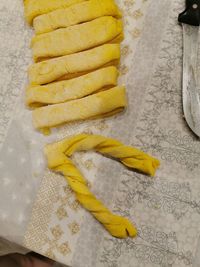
(102, 104)
(34, 8)
(79, 13)
(76, 38)
(76, 88)
(74, 65)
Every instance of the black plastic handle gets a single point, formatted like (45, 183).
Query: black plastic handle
(191, 15)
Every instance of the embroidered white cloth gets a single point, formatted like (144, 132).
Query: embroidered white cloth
(37, 209)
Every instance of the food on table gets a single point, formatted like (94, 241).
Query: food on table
(102, 104)
(76, 38)
(76, 14)
(73, 83)
(34, 8)
(76, 51)
(74, 65)
(58, 157)
(76, 88)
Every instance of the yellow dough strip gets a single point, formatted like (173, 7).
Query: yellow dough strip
(63, 91)
(76, 38)
(58, 157)
(102, 104)
(34, 8)
(76, 14)
(61, 68)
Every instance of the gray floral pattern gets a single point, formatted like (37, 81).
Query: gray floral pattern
(151, 247)
(170, 202)
(162, 118)
(159, 194)
(165, 209)
(15, 57)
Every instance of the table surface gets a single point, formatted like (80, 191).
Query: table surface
(166, 209)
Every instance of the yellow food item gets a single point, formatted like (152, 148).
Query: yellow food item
(58, 157)
(102, 104)
(79, 13)
(76, 88)
(34, 8)
(76, 38)
(74, 65)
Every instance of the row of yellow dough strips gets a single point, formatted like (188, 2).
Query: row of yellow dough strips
(76, 51)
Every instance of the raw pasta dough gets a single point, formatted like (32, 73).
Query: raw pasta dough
(76, 38)
(74, 65)
(76, 88)
(34, 8)
(75, 14)
(102, 104)
(58, 156)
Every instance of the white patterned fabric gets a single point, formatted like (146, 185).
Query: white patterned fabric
(37, 208)
(7, 247)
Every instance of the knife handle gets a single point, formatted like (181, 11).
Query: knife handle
(191, 15)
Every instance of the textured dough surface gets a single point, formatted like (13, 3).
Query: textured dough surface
(87, 61)
(76, 38)
(76, 88)
(102, 104)
(34, 8)
(75, 14)
(59, 160)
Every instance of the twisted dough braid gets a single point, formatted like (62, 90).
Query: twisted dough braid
(58, 160)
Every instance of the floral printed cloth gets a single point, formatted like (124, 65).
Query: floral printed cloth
(166, 209)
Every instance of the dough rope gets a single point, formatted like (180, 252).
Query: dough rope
(58, 156)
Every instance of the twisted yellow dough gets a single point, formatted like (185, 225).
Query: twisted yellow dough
(58, 160)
